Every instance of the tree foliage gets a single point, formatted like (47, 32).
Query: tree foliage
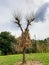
(6, 40)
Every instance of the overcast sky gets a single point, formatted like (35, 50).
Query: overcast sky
(40, 10)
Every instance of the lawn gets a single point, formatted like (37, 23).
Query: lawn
(12, 59)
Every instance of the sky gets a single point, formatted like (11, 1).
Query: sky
(38, 8)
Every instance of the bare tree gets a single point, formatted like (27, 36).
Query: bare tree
(25, 41)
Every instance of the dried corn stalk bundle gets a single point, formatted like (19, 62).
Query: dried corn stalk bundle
(24, 40)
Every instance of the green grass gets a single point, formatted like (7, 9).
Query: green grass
(12, 59)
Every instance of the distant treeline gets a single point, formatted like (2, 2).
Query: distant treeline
(9, 45)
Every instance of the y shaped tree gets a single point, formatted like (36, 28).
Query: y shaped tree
(25, 38)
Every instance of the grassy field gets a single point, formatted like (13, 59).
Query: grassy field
(12, 59)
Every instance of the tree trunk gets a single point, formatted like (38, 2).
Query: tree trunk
(24, 60)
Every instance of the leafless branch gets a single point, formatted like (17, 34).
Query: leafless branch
(17, 21)
(29, 20)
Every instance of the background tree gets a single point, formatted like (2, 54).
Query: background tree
(6, 40)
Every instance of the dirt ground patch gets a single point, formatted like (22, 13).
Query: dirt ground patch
(29, 63)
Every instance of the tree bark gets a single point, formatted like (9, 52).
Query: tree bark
(24, 60)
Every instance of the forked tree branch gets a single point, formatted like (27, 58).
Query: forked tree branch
(17, 21)
(29, 22)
